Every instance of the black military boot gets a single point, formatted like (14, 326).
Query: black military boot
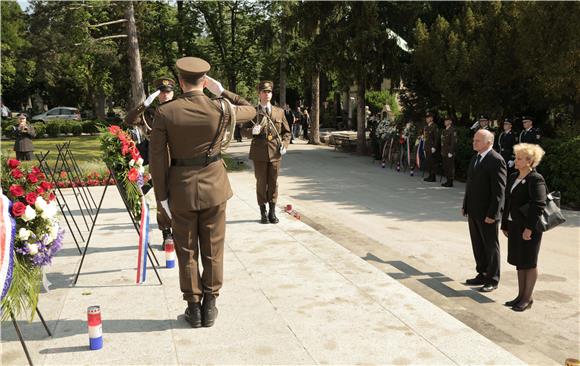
(430, 178)
(167, 235)
(193, 314)
(272, 213)
(209, 310)
(448, 183)
(264, 217)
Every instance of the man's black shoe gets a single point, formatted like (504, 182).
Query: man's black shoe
(430, 178)
(477, 281)
(272, 214)
(209, 310)
(488, 287)
(448, 183)
(264, 216)
(193, 314)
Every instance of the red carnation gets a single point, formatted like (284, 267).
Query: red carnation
(41, 175)
(46, 186)
(16, 190)
(35, 170)
(32, 178)
(51, 196)
(31, 198)
(135, 154)
(124, 149)
(13, 163)
(114, 129)
(18, 209)
(63, 174)
(16, 173)
(133, 174)
(40, 190)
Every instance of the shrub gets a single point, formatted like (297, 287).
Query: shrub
(560, 168)
(53, 128)
(40, 128)
(91, 126)
(66, 127)
(77, 129)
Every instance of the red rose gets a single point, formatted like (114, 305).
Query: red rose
(13, 163)
(18, 209)
(16, 173)
(46, 186)
(135, 155)
(31, 198)
(40, 190)
(125, 149)
(114, 129)
(16, 190)
(32, 178)
(35, 170)
(51, 196)
(133, 174)
(41, 176)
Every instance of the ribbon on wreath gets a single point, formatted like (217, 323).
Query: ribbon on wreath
(7, 233)
(408, 151)
(143, 241)
(420, 152)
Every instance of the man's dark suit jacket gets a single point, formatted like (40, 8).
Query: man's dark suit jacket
(485, 188)
(532, 191)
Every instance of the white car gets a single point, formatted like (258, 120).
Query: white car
(58, 113)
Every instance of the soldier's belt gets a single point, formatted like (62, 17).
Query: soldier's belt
(196, 162)
(259, 137)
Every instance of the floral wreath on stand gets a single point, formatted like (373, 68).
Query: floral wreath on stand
(35, 234)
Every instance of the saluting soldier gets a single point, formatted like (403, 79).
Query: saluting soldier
(448, 147)
(271, 136)
(141, 118)
(431, 136)
(530, 134)
(505, 144)
(193, 186)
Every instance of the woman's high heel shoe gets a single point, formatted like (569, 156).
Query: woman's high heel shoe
(523, 307)
(513, 302)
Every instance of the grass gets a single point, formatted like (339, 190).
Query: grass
(87, 152)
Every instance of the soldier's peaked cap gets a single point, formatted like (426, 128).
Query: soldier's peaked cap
(265, 85)
(192, 67)
(528, 118)
(164, 84)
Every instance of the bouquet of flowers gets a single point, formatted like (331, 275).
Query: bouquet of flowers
(38, 235)
(386, 129)
(122, 157)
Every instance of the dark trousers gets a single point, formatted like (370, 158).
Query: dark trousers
(200, 232)
(485, 245)
(448, 167)
(430, 162)
(266, 173)
(24, 155)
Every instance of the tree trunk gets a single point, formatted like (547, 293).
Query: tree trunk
(137, 92)
(361, 146)
(314, 137)
(283, 68)
(100, 103)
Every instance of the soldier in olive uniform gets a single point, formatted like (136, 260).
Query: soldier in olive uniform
(448, 146)
(141, 118)
(505, 144)
(530, 134)
(431, 136)
(271, 136)
(24, 133)
(193, 186)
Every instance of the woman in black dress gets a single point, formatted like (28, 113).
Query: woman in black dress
(524, 187)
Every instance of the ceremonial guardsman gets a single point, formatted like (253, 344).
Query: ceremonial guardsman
(141, 119)
(530, 134)
(431, 136)
(505, 144)
(270, 138)
(448, 147)
(193, 186)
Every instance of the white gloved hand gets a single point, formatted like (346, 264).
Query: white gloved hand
(282, 150)
(214, 86)
(165, 205)
(450, 155)
(433, 150)
(511, 163)
(256, 129)
(151, 98)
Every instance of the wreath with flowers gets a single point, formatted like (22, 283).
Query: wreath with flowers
(35, 232)
(124, 160)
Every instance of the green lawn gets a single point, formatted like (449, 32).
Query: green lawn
(86, 150)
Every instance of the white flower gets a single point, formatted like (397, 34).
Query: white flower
(32, 249)
(29, 213)
(53, 231)
(131, 162)
(49, 211)
(141, 169)
(24, 234)
(140, 161)
(40, 203)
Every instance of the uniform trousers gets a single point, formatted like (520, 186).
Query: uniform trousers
(24, 155)
(485, 245)
(449, 167)
(163, 221)
(200, 234)
(430, 162)
(266, 173)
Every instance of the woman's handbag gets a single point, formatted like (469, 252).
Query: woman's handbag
(551, 215)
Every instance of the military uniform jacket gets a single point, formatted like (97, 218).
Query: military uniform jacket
(505, 145)
(23, 140)
(264, 148)
(448, 141)
(531, 136)
(186, 126)
(431, 136)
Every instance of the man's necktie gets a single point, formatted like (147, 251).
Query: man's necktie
(478, 160)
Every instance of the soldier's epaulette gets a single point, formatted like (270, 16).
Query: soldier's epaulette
(166, 103)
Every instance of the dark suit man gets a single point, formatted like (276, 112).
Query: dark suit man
(448, 146)
(194, 187)
(482, 204)
(271, 136)
(24, 133)
(530, 134)
(431, 145)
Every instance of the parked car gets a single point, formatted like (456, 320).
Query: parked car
(58, 113)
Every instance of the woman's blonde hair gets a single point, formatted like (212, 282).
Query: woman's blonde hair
(531, 152)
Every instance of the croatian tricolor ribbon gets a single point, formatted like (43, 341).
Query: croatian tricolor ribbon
(7, 234)
(420, 152)
(143, 242)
